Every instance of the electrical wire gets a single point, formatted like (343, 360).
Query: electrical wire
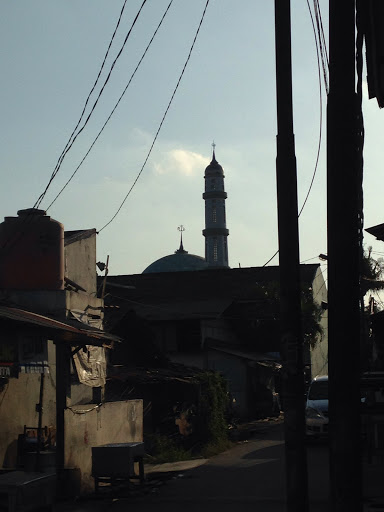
(162, 120)
(322, 43)
(66, 147)
(75, 135)
(321, 115)
(114, 108)
(309, 259)
(319, 46)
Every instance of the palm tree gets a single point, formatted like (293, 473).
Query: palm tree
(371, 273)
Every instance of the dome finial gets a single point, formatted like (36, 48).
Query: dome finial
(213, 153)
(181, 228)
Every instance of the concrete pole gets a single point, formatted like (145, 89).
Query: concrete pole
(290, 303)
(343, 262)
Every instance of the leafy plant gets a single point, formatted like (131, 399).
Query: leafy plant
(212, 423)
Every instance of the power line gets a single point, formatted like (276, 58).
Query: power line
(309, 259)
(322, 44)
(74, 135)
(320, 51)
(163, 119)
(321, 114)
(58, 164)
(114, 108)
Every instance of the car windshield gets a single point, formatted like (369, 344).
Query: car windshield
(318, 390)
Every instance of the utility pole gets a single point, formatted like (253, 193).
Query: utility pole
(62, 373)
(290, 303)
(343, 262)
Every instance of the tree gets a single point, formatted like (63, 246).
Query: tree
(372, 272)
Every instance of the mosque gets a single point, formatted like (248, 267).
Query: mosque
(215, 232)
(199, 312)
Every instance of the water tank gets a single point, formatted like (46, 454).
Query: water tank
(31, 252)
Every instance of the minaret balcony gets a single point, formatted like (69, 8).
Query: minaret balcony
(215, 194)
(215, 232)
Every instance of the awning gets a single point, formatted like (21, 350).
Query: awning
(74, 332)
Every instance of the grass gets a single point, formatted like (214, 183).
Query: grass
(163, 449)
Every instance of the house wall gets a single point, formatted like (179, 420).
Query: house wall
(18, 399)
(87, 426)
(218, 330)
(319, 353)
(51, 302)
(80, 262)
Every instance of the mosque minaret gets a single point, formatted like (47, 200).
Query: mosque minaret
(215, 232)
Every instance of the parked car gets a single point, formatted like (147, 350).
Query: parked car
(316, 412)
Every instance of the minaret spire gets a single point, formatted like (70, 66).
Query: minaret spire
(215, 232)
(213, 152)
(181, 228)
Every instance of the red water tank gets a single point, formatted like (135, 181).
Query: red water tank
(31, 252)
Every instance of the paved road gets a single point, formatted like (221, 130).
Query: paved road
(248, 477)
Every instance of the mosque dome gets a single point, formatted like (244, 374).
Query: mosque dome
(177, 263)
(180, 261)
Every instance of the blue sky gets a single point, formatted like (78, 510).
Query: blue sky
(52, 52)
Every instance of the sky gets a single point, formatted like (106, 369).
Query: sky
(51, 54)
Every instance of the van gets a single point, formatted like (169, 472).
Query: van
(316, 411)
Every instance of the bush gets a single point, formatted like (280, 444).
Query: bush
(164, 449)
(212, 425)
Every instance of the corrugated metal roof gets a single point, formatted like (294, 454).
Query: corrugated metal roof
(377, 231)
(67, 331)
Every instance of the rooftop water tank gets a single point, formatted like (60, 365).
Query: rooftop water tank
(31, 252)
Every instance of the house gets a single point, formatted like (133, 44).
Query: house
(53, 351)
(222, 319)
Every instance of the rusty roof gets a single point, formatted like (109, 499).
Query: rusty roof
(60, 330)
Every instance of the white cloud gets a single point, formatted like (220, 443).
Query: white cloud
(181, 161)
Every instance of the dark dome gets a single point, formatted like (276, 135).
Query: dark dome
(179, 262)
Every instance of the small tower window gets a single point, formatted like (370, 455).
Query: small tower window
(213, 184)
(215, 249)
(214, 214)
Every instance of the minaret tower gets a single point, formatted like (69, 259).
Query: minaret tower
(215, 232)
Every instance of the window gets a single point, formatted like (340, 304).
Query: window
(213, 184)
(214, 215)
(215, 249)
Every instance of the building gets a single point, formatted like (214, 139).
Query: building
(53, 351)
(204, 314)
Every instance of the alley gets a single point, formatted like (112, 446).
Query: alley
(250, 477)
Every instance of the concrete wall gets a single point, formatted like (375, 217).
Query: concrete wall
(87, 426)
(319, 354)
(219, 330)
(49, 302)
(80, 262)
(18, 399)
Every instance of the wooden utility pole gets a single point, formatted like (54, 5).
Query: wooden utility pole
(343, 262)
(290, 303)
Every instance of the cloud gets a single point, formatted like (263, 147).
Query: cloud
(180, 161)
